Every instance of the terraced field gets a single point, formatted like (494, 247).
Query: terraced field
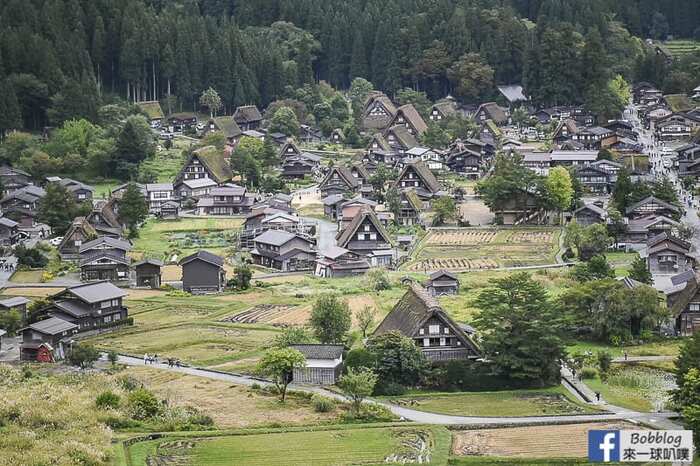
(478, 249)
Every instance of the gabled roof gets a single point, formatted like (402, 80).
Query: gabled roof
(494, 112)
(110, 242)
(413, 199)
(660, 238)
(593, 208)
(405, 139)
(14, 301)
(152, 109)
(446, 107)
(412, 116)
(423, 173)
(205, 256)
(686, 294)
(198, 183)
(7, 222)
(284, 150)
(512, 92)
(156, 262)
(414, 308)
(278, 237)
(52, 326)
(630, 283)
(228, 126)
(214, 161)
(247, 114)
(381, 142)
(570, 125)
(443, 273)
(333, 252)
(359, 200)
(649, 199)
(382, 99)
(344, 236)
(94, 292)
(311, 351)
(344, 174)
(159, 187)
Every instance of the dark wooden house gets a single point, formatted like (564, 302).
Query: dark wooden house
(408, 117)
(594, 179)
(337, 136)
(411, 208)
(323, 365)
(366, 235)
(491, 111)
(666, 254)
(226, 200)
(416, 175)
(588, 214)
(378, 111)
(399, 139)
(16, 303)
(685, 305)
(89, 306)
(148, 273)
(339, 262)
(203, 272)
(442, 110)
(285, 251)
(179, 122)
(46, 340)
(299, 166)
(442, 283)
(9, 231)
(339, 180)
(22, 205)
(104, 218)
(248, 117)
(651, 205)
(207, 162)
(13, 179)
(105, 258)
(419, 316)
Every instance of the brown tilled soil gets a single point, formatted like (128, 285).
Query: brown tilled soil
(562, 441)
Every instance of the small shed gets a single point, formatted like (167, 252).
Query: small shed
(324, 364)
(442, 283)
(18, 303)
(203, 272)
(170, 210)
(148, 273)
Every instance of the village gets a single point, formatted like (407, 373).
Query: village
(471, 236)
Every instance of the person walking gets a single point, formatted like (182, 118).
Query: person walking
(145, 359)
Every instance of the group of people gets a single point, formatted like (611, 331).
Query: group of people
(8, 267)
(148, 359)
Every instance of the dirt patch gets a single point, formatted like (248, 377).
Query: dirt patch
(562, 441)
(281, 315)
(216, 398)
(460, 237)
(357, 303)
(140, 294)
(171, 273)
(37, 292)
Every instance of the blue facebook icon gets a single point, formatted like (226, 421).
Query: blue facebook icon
(604, 445)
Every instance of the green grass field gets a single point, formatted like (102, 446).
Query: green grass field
(681, 47)
(156, 237)
(323, 447)
(620, 396)
(536, 402)
(663, 348)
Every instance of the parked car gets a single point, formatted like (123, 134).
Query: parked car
(56, 241)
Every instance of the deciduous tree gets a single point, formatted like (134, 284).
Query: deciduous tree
(279, 365)
(330, 319)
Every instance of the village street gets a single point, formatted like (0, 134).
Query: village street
(615, 412)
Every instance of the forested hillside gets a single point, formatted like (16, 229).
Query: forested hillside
(61, 59)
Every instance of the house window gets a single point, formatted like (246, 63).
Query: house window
(117, 317)
(447, 330)
(442, 341)
(421, 331)
(372, 236)
(432, 329)
(81, 196)
(366, 228)
(105, 304)
(78, 242)
(694, 307)
(108, 319)
(115, 302)
(426, 342)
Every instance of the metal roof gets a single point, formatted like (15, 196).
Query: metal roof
(15, 301)
(52, 326)
(320, 351)
(96, 292)
(275, 237)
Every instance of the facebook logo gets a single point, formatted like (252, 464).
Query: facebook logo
(604, 445)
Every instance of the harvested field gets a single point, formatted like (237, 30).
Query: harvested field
(478, 249)
(562, 441)
(37, 292)
(459, 237)
(272, 314)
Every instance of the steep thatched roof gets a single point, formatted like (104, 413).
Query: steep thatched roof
(347, 234)
(414, 308)
(423, 172)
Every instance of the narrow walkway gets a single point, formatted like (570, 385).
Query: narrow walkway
(659, 419)
(644, 358)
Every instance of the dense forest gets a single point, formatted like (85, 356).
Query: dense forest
(61, 59)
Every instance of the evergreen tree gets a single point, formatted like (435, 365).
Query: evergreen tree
(133, 209)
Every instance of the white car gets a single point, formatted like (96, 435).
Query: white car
(56, 241)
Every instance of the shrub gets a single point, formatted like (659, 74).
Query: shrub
(369, 413)
(83, 355)
(47, 277)
(359, 357)
(322, 404)
(389, 389)
(589, 373)
(255, 386)
(143, 404)
(178, 294)
(107, 399)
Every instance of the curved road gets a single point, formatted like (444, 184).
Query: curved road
(660, 419)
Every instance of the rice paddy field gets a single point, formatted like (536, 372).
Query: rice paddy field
(343, 445)
(477, 249)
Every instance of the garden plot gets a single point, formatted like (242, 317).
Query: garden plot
(282, 315)
(478, 249)
(561, 441)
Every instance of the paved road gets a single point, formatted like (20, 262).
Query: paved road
(644, 358)
(6, 274)
(325, 232)
(411, 414)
